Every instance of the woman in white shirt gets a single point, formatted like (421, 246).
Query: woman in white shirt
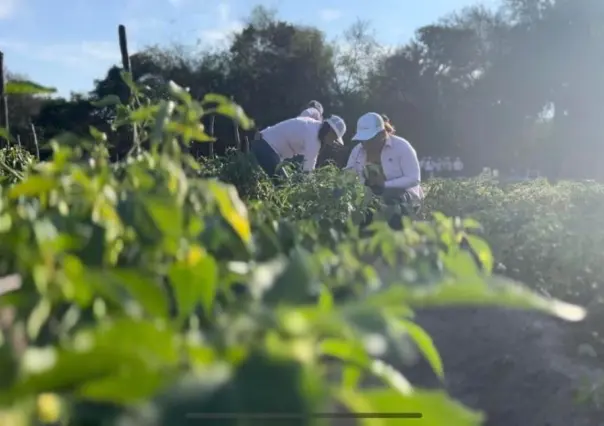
(394, 155)
(296, 136)
(399, 176)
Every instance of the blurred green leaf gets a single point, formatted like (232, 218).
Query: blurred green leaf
(97, 135)
(26, 87)
(423, 341)
(477, 291)
(165, 213)
(35, 185)
(435, 407)
(232, 209)
(143, 288)
(294, 284)
(482, 251)
(235, 112)
(179, 92)
(194, 280)
(109, 100)
(4, 134)
(121, 362)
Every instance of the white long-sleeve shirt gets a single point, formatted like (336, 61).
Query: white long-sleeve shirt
(296, 136)
(399, 162)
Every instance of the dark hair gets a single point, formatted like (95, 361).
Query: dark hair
(324, 130)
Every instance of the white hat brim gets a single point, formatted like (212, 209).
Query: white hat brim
(365, 135)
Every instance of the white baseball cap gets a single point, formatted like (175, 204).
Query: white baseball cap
(339, 127)
(368, 126)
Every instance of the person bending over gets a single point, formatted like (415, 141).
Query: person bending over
(313, 110)
(296, 136)
(385, 162)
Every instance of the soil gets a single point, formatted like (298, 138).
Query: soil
(518, 367)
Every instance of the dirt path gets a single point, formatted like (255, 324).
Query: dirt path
(515, 366)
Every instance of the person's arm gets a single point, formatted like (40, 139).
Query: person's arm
(352, 158)
(410, 166)
(311, 154)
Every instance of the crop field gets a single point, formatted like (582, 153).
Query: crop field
(163, 290)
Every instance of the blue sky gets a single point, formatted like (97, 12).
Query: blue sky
(68, 43)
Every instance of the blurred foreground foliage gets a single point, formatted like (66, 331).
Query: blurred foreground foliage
(152, 293)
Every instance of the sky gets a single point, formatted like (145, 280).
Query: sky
(67, 44)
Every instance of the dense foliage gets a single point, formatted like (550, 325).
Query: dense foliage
(151, 293)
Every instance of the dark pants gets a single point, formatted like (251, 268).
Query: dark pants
(266, 156)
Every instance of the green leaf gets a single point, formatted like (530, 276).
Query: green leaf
(235, 112)
(26, 87)
(459, 263)
(165, 213)
(355, 353)
(179, 92)
(122, 362)
(126, 386)
(4, 134)
(482, 250)
(232, 209)
(97, 135)
(435, 407)
(326, 302)
(157, 344)
(33, 186)
(470, 223)
(52, 370)
(215, 98)
(164, 113)
(345, 350)
(144, 113)
(194, 281)
(293, 285)
(109, 100)
(38, 318)
(423, 341)
(351, 376)
(478, 291)
(144, 289)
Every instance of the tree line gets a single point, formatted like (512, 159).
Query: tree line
(516, 87)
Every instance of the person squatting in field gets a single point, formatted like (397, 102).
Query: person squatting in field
(386, 163)
(296, 136)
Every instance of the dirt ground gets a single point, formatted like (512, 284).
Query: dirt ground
(519, 368)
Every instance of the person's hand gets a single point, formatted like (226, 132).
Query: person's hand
(375, 179)
(377, 189)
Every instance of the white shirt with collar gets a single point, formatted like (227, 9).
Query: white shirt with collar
(296, 136)
(399, 162)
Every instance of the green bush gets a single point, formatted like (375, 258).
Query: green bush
(547, 235)
(150, 295)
